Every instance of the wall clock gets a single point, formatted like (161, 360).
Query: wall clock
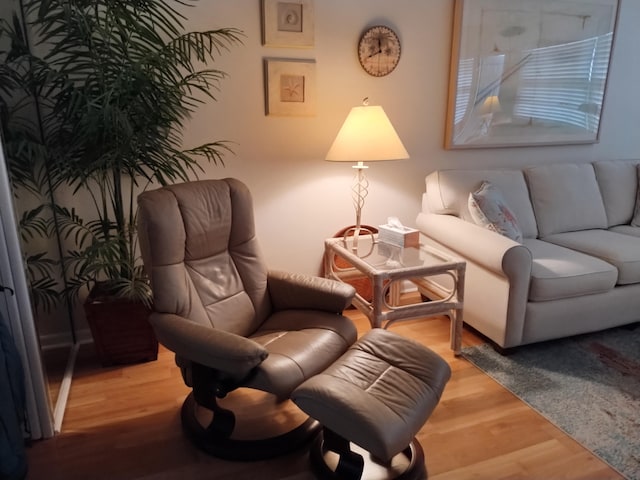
(379, 50)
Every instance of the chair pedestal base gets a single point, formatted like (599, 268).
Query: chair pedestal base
(218, 444)
(350, 462)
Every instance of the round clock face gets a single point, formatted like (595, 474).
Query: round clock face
(379, 50)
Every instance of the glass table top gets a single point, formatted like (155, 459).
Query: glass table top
(384, 256)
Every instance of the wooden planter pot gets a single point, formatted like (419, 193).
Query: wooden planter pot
(121, 330)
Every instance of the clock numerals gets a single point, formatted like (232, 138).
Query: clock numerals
(379, 51)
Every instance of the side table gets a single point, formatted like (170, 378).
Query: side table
(387, 266)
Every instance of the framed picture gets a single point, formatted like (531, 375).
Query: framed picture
(528, 72)
(290, 87)
(287, 24)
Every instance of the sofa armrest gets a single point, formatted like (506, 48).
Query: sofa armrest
(496, 308)
(488, 249)
(232, 354)
(307, 292)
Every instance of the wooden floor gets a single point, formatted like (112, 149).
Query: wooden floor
(123, 423)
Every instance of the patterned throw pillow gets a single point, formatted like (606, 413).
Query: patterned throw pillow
(635, 221)
(489, 209)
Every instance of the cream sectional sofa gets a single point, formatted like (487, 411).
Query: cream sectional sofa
(577, 269)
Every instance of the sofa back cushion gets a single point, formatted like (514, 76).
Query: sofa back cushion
(618, 180)
(565, 198)
(448, 194)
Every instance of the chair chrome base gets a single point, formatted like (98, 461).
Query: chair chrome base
(218, 443)
(343, 463)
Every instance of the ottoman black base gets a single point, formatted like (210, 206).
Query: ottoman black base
(340, 459)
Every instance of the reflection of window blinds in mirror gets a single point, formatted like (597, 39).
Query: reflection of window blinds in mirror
(463, 90)
(565, 83)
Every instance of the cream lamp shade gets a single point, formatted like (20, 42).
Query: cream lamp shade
(367, 135)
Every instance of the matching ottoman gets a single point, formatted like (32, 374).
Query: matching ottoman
(376, 397)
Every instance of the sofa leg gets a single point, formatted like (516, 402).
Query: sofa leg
(631, 326)
(505, 352)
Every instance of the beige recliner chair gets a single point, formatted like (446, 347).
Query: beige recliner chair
(231, 322)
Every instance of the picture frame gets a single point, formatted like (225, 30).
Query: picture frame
(528, 72)
(288, 23)
(290, 87)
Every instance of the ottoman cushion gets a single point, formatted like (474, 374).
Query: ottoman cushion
(378, 394)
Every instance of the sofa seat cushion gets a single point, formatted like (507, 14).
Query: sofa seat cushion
(559, 272)
(620, 250)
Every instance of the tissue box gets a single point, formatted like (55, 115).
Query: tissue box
(401, 236)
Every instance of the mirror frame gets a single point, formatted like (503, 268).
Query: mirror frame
(509, 81)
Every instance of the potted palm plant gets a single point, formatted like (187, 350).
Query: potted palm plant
(121, 77)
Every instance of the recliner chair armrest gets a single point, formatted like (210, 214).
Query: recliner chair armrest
(298, 291)
(232, 354)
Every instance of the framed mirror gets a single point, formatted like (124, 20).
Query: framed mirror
(528, 72)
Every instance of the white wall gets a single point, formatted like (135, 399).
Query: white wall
(299, 198)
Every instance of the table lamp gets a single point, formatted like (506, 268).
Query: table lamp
(489, 108)
(490, 105)
(366, 136)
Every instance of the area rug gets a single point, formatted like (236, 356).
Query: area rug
(588, 385)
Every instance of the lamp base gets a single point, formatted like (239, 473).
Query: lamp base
(355, 233)
(362, 284)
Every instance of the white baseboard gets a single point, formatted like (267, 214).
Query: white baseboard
(65, 387)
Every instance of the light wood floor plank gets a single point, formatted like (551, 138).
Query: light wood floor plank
(123, 423)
